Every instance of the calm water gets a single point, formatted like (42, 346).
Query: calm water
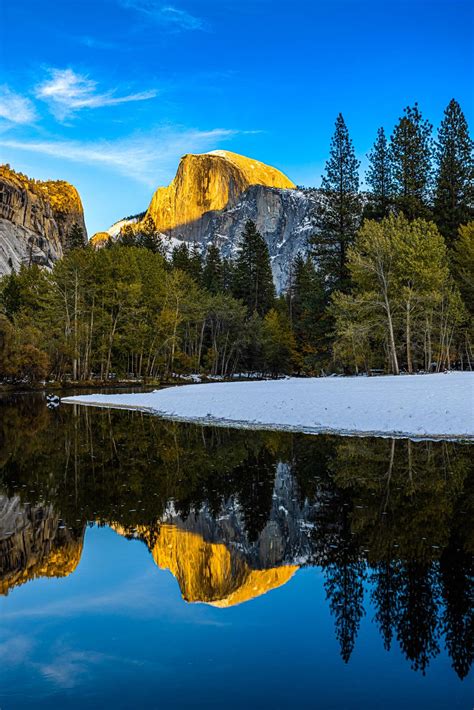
(149, 564)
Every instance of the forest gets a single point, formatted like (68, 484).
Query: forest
(386, 283)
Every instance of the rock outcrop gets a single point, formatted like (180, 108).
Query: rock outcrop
(35, 219)
(100, 239)
(208, 182)
(214, 194)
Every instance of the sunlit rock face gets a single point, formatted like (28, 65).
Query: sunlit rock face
(208, 182)
(34, 543)
(35, 219)
(212, 557)
(99, 239)
(214, 194)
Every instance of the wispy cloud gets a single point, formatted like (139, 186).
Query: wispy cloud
(165, 14)
(67, 92)
(149, 158)
(16, 108)
(15, 649)
(60, 664)
(69, 669)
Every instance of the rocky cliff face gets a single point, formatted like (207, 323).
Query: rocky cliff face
(34, 543)
(214, 194)
(208, 182)
(35, 219)
(285, 218)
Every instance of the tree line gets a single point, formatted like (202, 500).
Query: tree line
(128, 311)
(385, 284)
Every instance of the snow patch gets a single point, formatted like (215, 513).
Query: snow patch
(418, 406)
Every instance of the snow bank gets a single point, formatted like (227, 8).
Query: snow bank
(417, 406)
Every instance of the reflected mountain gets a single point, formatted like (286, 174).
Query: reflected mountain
(212, 557)
(234, 514)
(34, 542)
(210, 572)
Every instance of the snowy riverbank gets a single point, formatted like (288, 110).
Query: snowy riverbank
(418, 406)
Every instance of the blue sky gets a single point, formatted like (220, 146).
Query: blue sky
(108, 94)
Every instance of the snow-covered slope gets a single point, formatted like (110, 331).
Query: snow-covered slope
(418, 406)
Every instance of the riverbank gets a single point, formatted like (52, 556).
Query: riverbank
(74, 385)
(434, 406)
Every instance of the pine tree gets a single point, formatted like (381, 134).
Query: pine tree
(307, 309)
(379, 178)
(127, 237)
(340, 210)
(227, 274)
(75, 237)
(147, 237)
(10, 294)
(180, 257)
(212, 277)
(253, 281)
(188, 259)
(195, 263)
(411, 152)
(454, 189)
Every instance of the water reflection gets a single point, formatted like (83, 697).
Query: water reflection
(234, 514)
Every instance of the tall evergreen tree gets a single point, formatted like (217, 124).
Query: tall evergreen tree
(340, 210)
(195, 263)
(180, 257)
(253, 280)
(127, 237)
(188, 259)
(76, 238)
(148, 237)
(307, 309)
(411, 153)
(227, 273)
(379, 178)
(454, 189)
(212, 276)
(10, 294)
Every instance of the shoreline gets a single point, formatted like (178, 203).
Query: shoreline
(262, 426)
(428, 407)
